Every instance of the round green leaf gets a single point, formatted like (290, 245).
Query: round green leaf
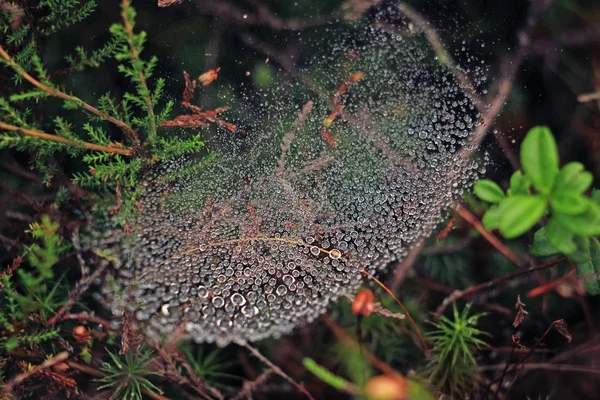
(488, 191)
(541, 246)
(570, 203)
(539, 158)
(519, 184)
(586, 223)
(559, 237)
(573, 177)
(521, 214)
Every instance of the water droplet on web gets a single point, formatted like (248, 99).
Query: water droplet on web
(315, 251)
(218, 301)
(237, 299)
(281, 290)
(335, 254)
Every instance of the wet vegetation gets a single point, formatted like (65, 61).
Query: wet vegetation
(312, 199)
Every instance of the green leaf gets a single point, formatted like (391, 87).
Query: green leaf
(573, 177)
(570, 203)
(582, 253)
(539, 158)
(595, 197)
(541, 246)
(520, 214)
(519, 184)
(493, 216)
(559, 237)
(589, 271)
(586, 223)
(489, 191)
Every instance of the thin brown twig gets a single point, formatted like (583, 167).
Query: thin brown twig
(59, 139)
(77, 291)
(17, 380)
(439, 48)
(379, 309)
(227, 12)
(85, 317)
(544, 366)
(410, 318)
(458, 294)
(64, 96)
(250, 386)
(276, 369)
(372, 358)
(470, 218)
(510, 66)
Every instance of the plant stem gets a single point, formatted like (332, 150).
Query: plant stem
(276, 369)
(64, 96)
(458, 294)
(54, 138)
(470, 218)
(136, 56)
(17, 380)
(412, 321)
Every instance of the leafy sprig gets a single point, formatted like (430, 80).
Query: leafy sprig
(541, 191)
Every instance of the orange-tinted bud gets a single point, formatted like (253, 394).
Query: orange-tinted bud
(363, 303)
(81, 334)
(386, 387)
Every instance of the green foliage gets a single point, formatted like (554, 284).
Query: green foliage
(452, 366)
(128, 375)
(324, 374)
(30, 291)
(574, 218)
(64, 13)
(130, 45)
(207, 365)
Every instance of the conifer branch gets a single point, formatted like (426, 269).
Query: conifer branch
(54, 138)
(136, 56)
(64, 96)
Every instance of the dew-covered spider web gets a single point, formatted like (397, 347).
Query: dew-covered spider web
(349, 162)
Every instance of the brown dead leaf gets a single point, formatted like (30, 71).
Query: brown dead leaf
(209, 76)
(521, 313)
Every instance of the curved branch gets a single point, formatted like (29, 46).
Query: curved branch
(64, 96)
(54, 138)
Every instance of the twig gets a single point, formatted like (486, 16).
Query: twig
(470, 218)
(560, 326)
(64, 96)
(379, 309)
(54, 138)
(410, 318)
(584, 98)
(458, 294)
(251, 386)
(435, 41)
(226, 11)
(84, 316)
(347, 340)
(545, 366)
(136, 57)
(17, 380)
(511, 66)
(286, 142)
(77, 291)
(276, 369)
